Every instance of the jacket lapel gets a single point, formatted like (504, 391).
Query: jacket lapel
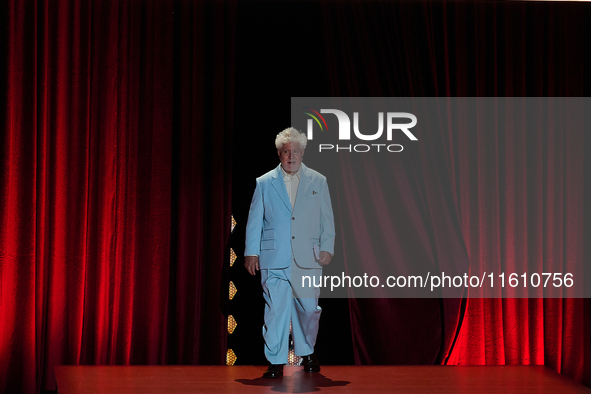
(279, 185)
(304, 186)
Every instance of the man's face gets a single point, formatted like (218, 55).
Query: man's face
(291, 157)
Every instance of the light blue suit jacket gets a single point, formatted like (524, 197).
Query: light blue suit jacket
(275, 231)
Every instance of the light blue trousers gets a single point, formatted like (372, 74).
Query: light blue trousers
(285, 303)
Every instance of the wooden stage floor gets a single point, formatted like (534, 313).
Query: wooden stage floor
(332, 379)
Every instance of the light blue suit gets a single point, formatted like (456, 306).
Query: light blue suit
(284, 240)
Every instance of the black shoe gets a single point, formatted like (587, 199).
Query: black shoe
(310, 363)
(274, 371)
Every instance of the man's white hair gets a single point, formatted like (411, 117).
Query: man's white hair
(291, 135)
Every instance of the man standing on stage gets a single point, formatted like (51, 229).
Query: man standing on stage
(290, 234)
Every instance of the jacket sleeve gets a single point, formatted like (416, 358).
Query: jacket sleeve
(327, 231)
(254, 225)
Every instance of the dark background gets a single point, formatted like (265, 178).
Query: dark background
(279, 54)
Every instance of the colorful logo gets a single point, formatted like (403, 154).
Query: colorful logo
(315, 118)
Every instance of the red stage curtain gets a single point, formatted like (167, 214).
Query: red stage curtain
(513, 218)
(111, 243)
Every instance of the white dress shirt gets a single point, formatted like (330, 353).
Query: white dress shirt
(291, 184)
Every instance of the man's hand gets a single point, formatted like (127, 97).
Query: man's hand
(252, 264)
(325, 258)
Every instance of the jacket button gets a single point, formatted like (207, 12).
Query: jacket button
(293, 237)
(292, 218)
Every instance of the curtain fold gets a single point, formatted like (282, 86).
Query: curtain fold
(509, 210)
(98, 182)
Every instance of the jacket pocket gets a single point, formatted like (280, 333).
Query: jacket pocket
(268, 244)
(268, 233)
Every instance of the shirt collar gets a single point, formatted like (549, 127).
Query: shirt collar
(287, 177)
